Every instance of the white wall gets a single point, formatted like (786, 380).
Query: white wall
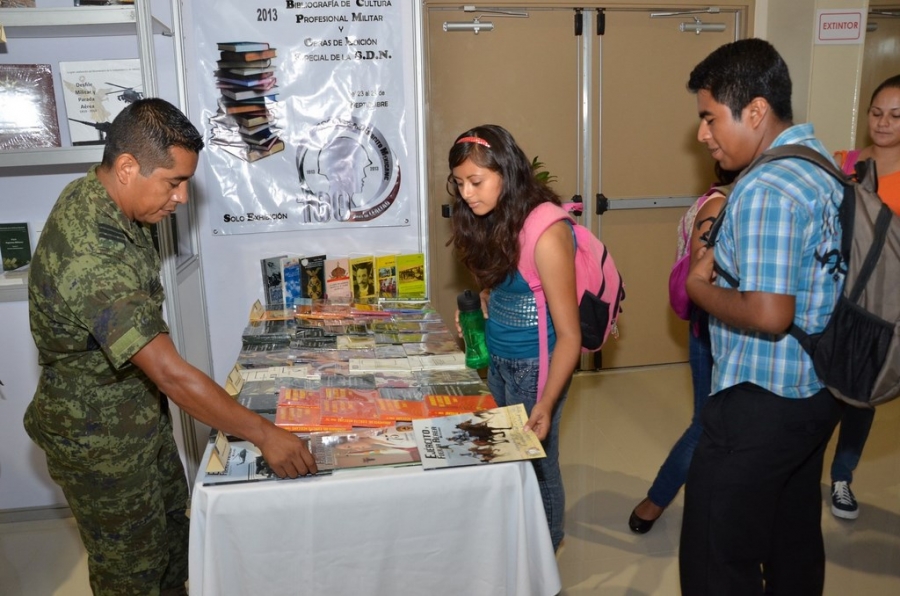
(820, 97)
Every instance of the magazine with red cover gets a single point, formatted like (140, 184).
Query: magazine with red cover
(351, 412)
(446, 405)
(299, 419)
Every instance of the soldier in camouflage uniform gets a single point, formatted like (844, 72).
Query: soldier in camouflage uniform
(95, 305)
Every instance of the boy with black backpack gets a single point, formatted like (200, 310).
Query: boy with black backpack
(752, 498)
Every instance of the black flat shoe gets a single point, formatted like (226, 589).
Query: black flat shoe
(640, 525)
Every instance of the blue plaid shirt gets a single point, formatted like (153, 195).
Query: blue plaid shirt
(780, 235)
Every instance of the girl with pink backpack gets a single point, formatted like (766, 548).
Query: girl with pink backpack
(495, 191)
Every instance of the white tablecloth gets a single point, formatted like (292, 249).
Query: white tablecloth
(471, 531)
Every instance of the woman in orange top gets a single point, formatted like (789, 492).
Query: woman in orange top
(884, 130)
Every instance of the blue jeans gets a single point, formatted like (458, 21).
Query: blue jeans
(515, 382)
(673, 472)
(855, 426)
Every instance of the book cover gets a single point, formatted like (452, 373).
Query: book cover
(228, 79)
(242, 462)
(16, 277)
(398, 379)
(454, 361)
(250, 122)
(401, 409)
(375, 365)
(387, 445)
(242, 94)
(485, 437)
(242, 46)
(300, 398)
(402, 393)
(351, 412)
(449, 405)
(259, 401)
(302, 419)
(362, 270)
(466, 376)
(355, 342)
(337, 278)
(15, 245)
(386, 275)
(273, 288)
(95, 91)
(28, 116)
(244, 79)
(257, 108)
(254, 153)
(334, 450)
(312, 277)
(246, 66)
(290, 281)
(229, 56)
(411, 275)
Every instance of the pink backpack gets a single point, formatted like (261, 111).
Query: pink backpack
(597, 281)
(678, 298)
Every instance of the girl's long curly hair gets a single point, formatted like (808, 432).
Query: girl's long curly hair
(488, 244)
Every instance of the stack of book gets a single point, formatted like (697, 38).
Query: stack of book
(332, 367)
(339, 376)
(246, 80)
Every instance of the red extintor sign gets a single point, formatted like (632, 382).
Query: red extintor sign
(840, 26)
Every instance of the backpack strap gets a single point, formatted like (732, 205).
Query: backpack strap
(541, 217)
(848, 160)
(773, 154)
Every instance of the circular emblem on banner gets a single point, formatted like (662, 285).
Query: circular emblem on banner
(347, 172)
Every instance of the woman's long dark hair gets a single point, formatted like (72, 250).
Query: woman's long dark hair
(488, 244)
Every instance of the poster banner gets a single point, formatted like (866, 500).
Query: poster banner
(302, 109)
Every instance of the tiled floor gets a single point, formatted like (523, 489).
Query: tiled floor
(617, 429)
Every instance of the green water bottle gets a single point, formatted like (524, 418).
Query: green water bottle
(471, 321)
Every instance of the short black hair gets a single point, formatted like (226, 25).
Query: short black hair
(148, 129)
(737, 72)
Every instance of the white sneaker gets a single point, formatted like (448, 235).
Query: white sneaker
(843, 503)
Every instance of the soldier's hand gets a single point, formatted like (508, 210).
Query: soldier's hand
(287, 454)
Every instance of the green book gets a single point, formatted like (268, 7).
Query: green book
(15, 245)
(411, 275)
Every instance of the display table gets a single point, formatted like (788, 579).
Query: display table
(477, 530)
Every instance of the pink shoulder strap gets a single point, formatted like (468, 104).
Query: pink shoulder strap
(849, 164)
(541, 217)
(537, 222)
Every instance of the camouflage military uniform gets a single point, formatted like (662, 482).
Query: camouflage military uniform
(95, 299)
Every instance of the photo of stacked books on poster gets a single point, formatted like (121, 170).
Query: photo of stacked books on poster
(246, 79)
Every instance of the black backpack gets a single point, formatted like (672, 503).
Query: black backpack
(857, 355)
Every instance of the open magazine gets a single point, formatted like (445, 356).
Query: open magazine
(241, 461)
(483, 437)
